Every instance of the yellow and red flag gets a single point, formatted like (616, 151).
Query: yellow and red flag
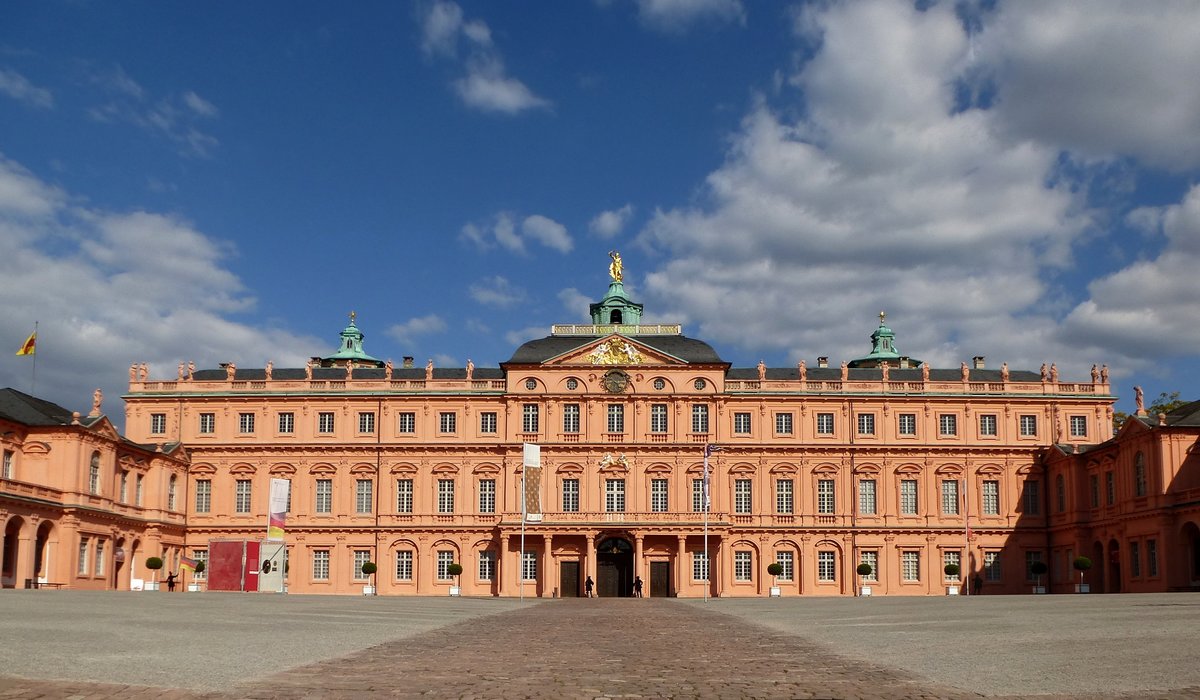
(30, 345)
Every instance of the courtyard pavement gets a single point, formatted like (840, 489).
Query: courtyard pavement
(100, 645)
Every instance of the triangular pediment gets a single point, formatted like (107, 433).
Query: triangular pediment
(614, 350)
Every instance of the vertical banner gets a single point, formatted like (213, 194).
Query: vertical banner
(532, 482)
(277, 509)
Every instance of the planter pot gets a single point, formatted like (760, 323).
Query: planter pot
(775, 593)
(951, 590)
(368, 590)
(455, 591)
(864, 591)
(193, 588)
(150, 586)
(1083, 588)
(1039, 590)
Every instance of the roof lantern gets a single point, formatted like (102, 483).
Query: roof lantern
(883, 349)
(616, 308)
(351, 349)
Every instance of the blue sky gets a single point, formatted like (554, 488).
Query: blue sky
(225, 182)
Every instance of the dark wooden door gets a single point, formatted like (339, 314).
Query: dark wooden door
(614, 575)
(660, 579)
(568, 579)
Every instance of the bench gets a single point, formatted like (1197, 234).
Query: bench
(49, 584)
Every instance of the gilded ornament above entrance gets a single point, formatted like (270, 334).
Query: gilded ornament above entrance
(616, 351)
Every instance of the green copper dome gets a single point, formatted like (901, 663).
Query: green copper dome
(883, 349)
(351, 349)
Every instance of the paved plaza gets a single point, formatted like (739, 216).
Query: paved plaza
(93, 645)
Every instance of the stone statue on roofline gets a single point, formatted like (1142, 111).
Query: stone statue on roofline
(925, 372)
(802, 368)
(429, 369)
(845, 370)
(269, 369)
(470, 369)
(762, 370)
(179, 374)
(387, 370)
(1139, 400)
(884, 368)
(97, 399)
(230, 371)
(1104, 374)
(966, 371)
(1045, 373)
(1054, 373)
(1004, 372)
(191, 371)
(1095, 374)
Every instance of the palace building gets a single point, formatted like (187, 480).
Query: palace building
(879, 460)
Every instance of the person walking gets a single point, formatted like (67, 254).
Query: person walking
(637, 587)
(587, 586)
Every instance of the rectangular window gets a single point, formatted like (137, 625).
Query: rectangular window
(570, 495)
(699, 566)
(907, 424)
(826, 566)
(529, 418)
(658, 495)
(366, 422)
(445, 495)
(866, 424)
(445, 558)
(616, 418)
(910, 566)
(83, 556)
(158, 423)
(124, 485)
(571, 418)
(697, 495)
(138, 489)
(404, 495)
(785, 500)
(1152, 558)
(487, 423)
(699, 418)
(824, 424)
(947, 424)
(783, 424)
(94, 475)
(1033, 497)
(741, 566)
(487, 565)
(951, 556)
(1094, 482)
(364, 496)
(987, 424)
(658, 418)
(203, 495)
(991, 566)
(1078, 426)
(448, 422)
(7, 473)
(324, 502)
(1110, 489)
(529, 567)
(287, 423)
(487, 495)
(242, 496)
(320, 564)
(1139, 476)
(99, 569)
(1028, 424)
(208, 423)
(949, 496)
(866, 497)
(871, 558)
(1135, 559)
(325, 422)
(361, 556)
(787, 563)
(614, 495)
(407, 424)
(200, 555)
(171, 493)
(825, 496)
(1031, 558)
(741, 496)
(908, 497)
(404, 564)
(741, 423)
(246, 423)
(991, 497)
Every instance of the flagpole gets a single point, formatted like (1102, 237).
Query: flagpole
(33, 380)
(707, 501)
(521, 564)
(966, 538)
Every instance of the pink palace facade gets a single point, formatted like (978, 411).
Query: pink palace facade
(820, 467)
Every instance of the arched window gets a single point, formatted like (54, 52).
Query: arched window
(1139, 475)
(1060, 493)
(94, 474)
(171, 493)
(615, 316)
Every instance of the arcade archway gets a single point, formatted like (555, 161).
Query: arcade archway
(614, 568)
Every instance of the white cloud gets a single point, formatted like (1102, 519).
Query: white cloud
(485, 84)
(607, 224)
(577, 304)
(1106, 78)
(199, 105)
(522, 335)
(681, 15)
(548, 232)
(20, 89)
(409, 330)
(111, 288)
(497, 291)
(174, 117)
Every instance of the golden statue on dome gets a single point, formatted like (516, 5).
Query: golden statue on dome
(616, 269)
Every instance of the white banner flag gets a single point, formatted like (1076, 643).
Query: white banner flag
(277, 509)
(531, 481)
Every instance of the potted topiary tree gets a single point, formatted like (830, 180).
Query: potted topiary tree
(369, 569)
(1038, 568)
(864, 570)
(952, 572)
(194, 585)
(455, 569)
(1082, 564)
(154, 564)
(774, 570)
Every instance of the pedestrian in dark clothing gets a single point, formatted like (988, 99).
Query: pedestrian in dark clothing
(587, 586)
(637, 587)
(977, 584)
(170, 582)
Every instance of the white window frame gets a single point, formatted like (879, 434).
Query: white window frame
(360, 557)
(570, 495)
(486, 569)
(910, 566)
(404, 495)
(783, 424)
(990, 489)
(947, 425)
(1078, 426)
(910, 502)
(203, 495)
(826, 566)
(571, 418)
(404, 564)
(406, 422)
(529, 567)
(445, 496)
(741, 423)
(287, 422)
(323, 500)
(988, 426)
(530, 413)
(785, 496)
(906, 424)
(325, 423)
(871, 557)
(616, 418)
(366, 422)
(658, 418)
(487, 495)
(614, 495)
(826, 497)
(950, 497)
(787, 562)
(700, 567)
(824, 424)
(659, 489)
(243, 495)
(700, 418)
(488, 422)
(743, 566)
(447, 422)
(158, 423)
(445, 557)
(742, 496)
(1028, 424)
(868, 500)
(320, 564)
(866, 424)
(246, 423)
(208, 423)
(364, 496)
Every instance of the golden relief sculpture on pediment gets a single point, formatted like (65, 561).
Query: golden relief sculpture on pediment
(615, 351)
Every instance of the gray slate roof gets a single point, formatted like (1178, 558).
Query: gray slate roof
(22, 408)
(339, 373)
(687, 349)
(834, 374)
(1186, 416)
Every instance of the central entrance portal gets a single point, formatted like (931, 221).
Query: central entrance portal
(614, 568)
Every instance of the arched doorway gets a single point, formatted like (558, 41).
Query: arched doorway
(1189, 542)
(42, 551)
(12, 540)
(1113, 579)
(118, 569)
(614, 568)
(1096, 579)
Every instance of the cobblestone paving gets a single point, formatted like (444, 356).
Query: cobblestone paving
(569, 649)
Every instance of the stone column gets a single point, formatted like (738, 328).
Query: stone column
(680, 563)
(589, 558)
(502, 566)
(638, 566)
(550, 587)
